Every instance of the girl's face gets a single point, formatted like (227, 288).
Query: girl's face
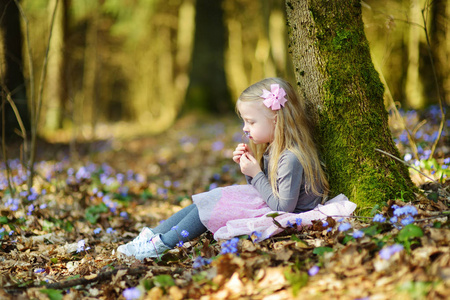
(257, 121)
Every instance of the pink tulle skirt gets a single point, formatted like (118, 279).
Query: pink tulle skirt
(239, 209)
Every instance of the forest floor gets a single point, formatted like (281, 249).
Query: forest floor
(58, 242)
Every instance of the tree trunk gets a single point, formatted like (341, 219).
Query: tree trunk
(440, 45)
(208, 89)
(335, 75)
(12, 73)
(413, 86)
(56, 82)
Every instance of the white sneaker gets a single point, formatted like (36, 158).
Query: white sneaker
(152, 248)
(129, 248)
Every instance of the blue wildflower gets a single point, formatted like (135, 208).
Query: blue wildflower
(344, 227)
(39, 270)
(405, 210)
(230, 246)
(30, 209)
(180, 244)
(184, 233)
(393, 219)
(81, 246)
(124, 214)
(175, 228)
(407, 220)
(97, 230)
(217, 146)
(131, 293)
(313, 271)
(110, 230)
(387, 252)
(289, 224)
(213, 185)
(200, 262)
(447, 160)
(357, 234)
(324, 223)
(298, 221)
(256, 235)
(379, 218)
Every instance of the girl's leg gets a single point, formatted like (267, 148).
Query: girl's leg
(173, 220)
(191, 223)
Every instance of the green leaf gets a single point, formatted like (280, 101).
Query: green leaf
(375, 209)
(433, 196)
(371, 230)
(273, 215)
(297, 280)
(93, 212)
(347, 238)
(164, 280)
(52, 294)
(322, 250)
(410, 231)
(3, 220)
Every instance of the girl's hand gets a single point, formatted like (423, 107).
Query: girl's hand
(249, 165)
(239, 151)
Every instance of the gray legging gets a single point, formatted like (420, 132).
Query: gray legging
(186, 219)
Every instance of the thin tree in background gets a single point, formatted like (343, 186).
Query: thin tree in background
(208, 89)
(13, 81)
(335, 74)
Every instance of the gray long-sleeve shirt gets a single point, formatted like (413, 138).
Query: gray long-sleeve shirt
(290, 184)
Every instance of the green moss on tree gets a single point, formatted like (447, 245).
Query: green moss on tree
(352, 119)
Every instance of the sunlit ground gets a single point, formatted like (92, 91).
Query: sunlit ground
(101, 193)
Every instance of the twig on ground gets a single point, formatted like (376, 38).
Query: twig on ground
(103, 276)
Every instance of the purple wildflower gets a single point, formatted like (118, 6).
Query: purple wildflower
(313, 271)
(131, 293)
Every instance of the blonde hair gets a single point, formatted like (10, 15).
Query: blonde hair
(293, 131)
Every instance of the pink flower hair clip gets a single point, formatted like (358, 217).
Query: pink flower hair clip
(275, 98)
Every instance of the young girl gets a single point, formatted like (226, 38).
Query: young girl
(281, 165)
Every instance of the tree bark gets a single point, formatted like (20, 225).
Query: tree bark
(413, 86)
(336, 77)
(12, 73)
(208, 89)
(440, 45)
(56, 82)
